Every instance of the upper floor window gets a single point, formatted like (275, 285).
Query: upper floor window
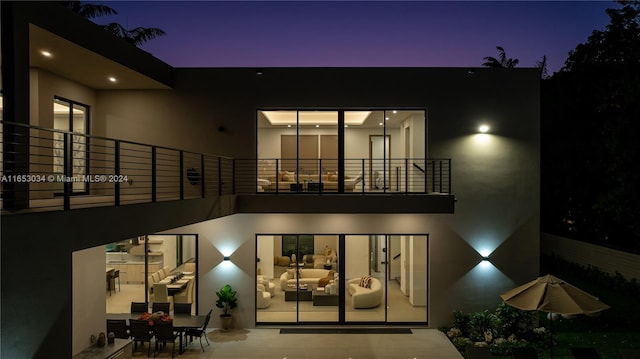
(377, 150)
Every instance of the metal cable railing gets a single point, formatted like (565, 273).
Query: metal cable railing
(46, 169)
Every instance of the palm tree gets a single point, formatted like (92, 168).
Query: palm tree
(137, 36)
(502, 61)
(542, 66)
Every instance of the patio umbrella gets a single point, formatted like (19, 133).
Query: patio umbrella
(554, 295)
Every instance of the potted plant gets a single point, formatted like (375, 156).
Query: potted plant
(227, 301)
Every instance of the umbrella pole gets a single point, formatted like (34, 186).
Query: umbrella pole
(551, 335)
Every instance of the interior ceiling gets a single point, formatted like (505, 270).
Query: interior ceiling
(81, 65)
(328, 119)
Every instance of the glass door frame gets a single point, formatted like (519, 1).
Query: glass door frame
(343, 287)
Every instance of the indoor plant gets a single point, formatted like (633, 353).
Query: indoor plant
(227, 301)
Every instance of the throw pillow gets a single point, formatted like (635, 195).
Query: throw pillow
(291, 273)
(322, 282)
(364, 280)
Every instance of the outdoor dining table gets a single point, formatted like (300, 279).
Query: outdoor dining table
(181, 323)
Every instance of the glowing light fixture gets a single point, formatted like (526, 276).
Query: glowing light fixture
(112, 79)
(317, 126)
(395, 111)
(380, 123)
(46, 53)
(483, 128)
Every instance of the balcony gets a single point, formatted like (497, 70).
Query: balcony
(52, 170)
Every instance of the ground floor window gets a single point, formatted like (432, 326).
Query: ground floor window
(345, 278)
(140, 270)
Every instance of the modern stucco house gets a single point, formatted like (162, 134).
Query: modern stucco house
(384, 165)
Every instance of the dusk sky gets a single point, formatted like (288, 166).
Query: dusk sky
(362, 33)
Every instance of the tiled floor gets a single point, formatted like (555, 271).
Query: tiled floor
(269, 343)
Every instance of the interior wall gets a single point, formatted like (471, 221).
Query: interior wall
(45, 86)
(357, 252)
(89, 291)
(265, 252)
(320, 242)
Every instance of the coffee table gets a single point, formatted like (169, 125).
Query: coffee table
(304, 295)
(321, 298)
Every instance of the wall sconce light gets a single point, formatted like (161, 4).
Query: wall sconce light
(226, 258)
(483, 128)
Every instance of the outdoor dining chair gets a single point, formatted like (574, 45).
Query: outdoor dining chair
(181, 308)
(161, 307)
(118, 327)
(139, 307)
(163, 331)
(140, 333)
(200, 332)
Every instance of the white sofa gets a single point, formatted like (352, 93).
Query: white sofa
(365, 297)
(308, 276)
(319, 260)
(268, 285)
(263, 298)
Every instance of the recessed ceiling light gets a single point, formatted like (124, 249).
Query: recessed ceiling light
(317, 125)
(46, 53)
(112, 79)
(346, 125)
(483, 128)
(380, 123)
(386, 118)
(394, 111)
(288, 125)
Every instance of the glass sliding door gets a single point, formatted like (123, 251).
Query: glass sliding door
(71, 117)
(407, 278)
(364, 283)
(296, 279)
(299, 279)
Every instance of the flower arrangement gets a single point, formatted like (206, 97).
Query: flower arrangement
(154, 317)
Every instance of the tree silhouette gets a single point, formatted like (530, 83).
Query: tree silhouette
(137, 36)
(542, 66)
(590, 121)
(502, 61)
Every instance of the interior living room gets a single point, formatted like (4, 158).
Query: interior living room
(412, 217)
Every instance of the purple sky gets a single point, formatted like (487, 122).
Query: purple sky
(362, 33)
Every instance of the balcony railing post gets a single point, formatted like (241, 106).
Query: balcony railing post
(277, 177)
(219, 176)
(154, 181)
(319, 176)
(433, 176)
(233, 176)
(116, 170)
(363, 177)
(406, 175)
(440, 175)
(181, 174)
(68, 170)
(202, 186)
(449, 171)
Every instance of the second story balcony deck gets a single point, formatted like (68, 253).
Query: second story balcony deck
(52, 170)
